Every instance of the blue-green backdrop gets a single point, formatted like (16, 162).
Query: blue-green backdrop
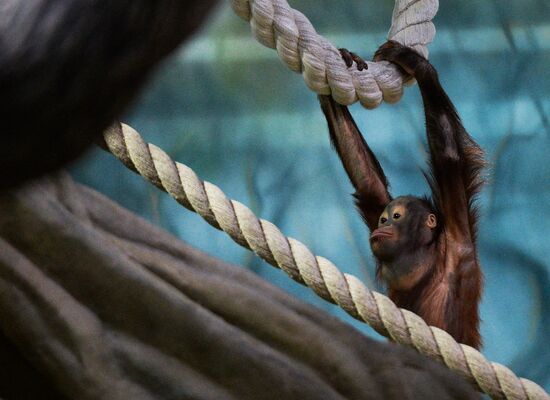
(227, 107)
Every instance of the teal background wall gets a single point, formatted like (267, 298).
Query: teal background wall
(228, 108)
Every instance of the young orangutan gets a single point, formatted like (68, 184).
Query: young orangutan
(425, 248)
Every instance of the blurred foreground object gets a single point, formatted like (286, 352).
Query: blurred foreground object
(69, 68)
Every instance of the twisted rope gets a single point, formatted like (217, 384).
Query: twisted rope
(278, 26)
(318, 273)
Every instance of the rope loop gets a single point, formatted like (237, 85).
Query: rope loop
(278, 26)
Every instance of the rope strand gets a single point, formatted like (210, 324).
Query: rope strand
(318, 273)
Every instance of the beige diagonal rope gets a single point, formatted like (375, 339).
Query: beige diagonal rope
(318, 273)
(278, 26)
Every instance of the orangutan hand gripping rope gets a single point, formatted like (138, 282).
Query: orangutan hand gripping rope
(425, 248)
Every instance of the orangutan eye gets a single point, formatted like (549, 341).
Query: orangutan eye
(383, 220)
(396, 216)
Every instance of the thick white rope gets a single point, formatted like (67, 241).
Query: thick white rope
(318, 273)
(278, 26)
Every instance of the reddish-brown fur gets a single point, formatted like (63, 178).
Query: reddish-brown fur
(446, 279)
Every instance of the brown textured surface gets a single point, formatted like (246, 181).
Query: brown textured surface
(104, 304)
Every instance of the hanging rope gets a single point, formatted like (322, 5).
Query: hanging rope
(318, 273)
(278, 26)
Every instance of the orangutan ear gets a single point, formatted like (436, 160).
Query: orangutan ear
(431, 221)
